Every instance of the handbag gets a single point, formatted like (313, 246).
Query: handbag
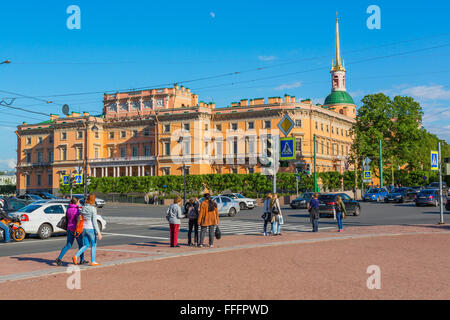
(334, 213)
(280, 220)
(62, 224)
(218, 233)
(79, 228)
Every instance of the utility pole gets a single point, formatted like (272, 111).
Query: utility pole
(381, 166)
(441, 197)
(315, 171)
(85, 160)
(184, 177)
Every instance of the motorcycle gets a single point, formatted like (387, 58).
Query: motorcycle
(17, 233)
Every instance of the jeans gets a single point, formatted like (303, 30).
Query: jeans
(70, 239)
(211, 230)
(193, 225)
(266, 222)
(174, 229)
(339, 219)
(276, 226)
(5, 232)
(89, 240)
(315, 223)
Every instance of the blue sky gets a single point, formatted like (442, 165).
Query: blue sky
(132, 44)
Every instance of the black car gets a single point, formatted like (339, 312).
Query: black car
(45, 195)
(401, 195)
(417, 189)
(302, 201)
(327, 203)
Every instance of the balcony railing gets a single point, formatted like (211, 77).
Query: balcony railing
(123, 159)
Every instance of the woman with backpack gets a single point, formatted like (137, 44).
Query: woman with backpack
(267, 215)
(341, 212)
(91, 230)
(191, 211)
(72, 214)
(277, 217)
(174, 215)
(208, 218)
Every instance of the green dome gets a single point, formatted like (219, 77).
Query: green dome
(337, 97)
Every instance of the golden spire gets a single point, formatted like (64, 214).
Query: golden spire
(337, 65)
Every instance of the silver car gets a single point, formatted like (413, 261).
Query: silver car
(244, 202)
(225, 205)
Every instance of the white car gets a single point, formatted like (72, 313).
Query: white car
(42, 218)
(244, 203)
(225, 205)
(100, 203)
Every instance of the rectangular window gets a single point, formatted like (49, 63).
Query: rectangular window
(321, 147)
(251, 170)
(79, 134)
(111, 135)
(135, 133)
(321, 126)
(123, 134)
(123, 152)
(167, 148)
(251, 125)
(96, 135)
(63, 154)
(235, 146)
(79, 153)
(206, 127)
(147, 151)
(267, 124)
(110, 153)
(298, 123)
(234, 170)
(167, 128)
(187, 127)
(50, 138)
(50, 179)
(317, 125)
(63, 135)
(328, 128)
(28, 157)
(328, 148)
(186, 147)
(219, 127)
(28, 140)
(146, 132)
(50, 156)
(96, 153)
(39, 179)
(40, 139)
(332, 129)
(39, 157)
(135, 151)
(28, 180)
(234, 126)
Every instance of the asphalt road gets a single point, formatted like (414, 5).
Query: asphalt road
(139, 224)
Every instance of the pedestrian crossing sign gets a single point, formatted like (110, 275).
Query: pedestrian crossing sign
(287, 148)
(65, 180)
(434, 160)
(78, 179)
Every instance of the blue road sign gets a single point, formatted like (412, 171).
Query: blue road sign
(287, 148)
(434, 160)
(367, 175)
(78, 179)
(66, 180)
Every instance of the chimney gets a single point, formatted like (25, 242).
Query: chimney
(85, 114)
(252, 102)
(54, 116)
(258, 101)
(244, 102)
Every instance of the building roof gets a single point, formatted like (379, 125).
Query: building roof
(337, 97)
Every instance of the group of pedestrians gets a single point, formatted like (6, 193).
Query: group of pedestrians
(204, 215)
(82, 225)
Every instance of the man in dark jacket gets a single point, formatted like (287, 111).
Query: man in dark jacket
(191, 212)
(314, 213)
(4, 215)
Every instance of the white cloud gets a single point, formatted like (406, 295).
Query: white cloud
(212, 14)
(428, 92)
(9, 163)
(289, 86)
(267, 58)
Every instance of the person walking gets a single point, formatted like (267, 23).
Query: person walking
(277, 218)
(72, 214)
(174, 215)
(208, 218)
(191, 211)
(91, 231)
(267, 214)
(147, 198)
(314, 212)
(341, 212)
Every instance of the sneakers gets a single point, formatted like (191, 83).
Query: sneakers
(58, 262)
(84, 262)
(95, 264)
(74, 259)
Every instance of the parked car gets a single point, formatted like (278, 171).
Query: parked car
(417, 189)
(375, 194)
(42, 218)
(45, 195)
(327, 202)
(29, 197)
(401, 195)
(244, 202)
(429, 197)
(100, 203)
(225, 205)
(302, 201)
(11, 204)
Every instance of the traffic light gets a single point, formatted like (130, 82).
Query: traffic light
(269, 147)
(284, 164)
(308, 168)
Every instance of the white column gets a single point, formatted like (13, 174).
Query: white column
(143, 171)
(131, 171)
(106, 171)
(115, 171)
(126, 171)
(151, 170)
(139, 171)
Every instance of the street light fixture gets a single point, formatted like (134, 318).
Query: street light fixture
(6, 62)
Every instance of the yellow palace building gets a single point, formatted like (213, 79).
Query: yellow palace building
(168, 130)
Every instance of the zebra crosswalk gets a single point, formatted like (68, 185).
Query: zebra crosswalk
(227, 227)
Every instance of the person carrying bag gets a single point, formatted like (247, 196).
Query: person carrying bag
(277, 218)
(267, 215)
(314, 213)
(341, 212)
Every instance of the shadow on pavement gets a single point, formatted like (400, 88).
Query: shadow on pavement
(40, 260)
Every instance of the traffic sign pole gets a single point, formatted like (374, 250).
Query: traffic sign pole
(441, 197)
(315, 172)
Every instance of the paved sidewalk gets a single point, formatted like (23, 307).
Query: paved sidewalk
(414, 263)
